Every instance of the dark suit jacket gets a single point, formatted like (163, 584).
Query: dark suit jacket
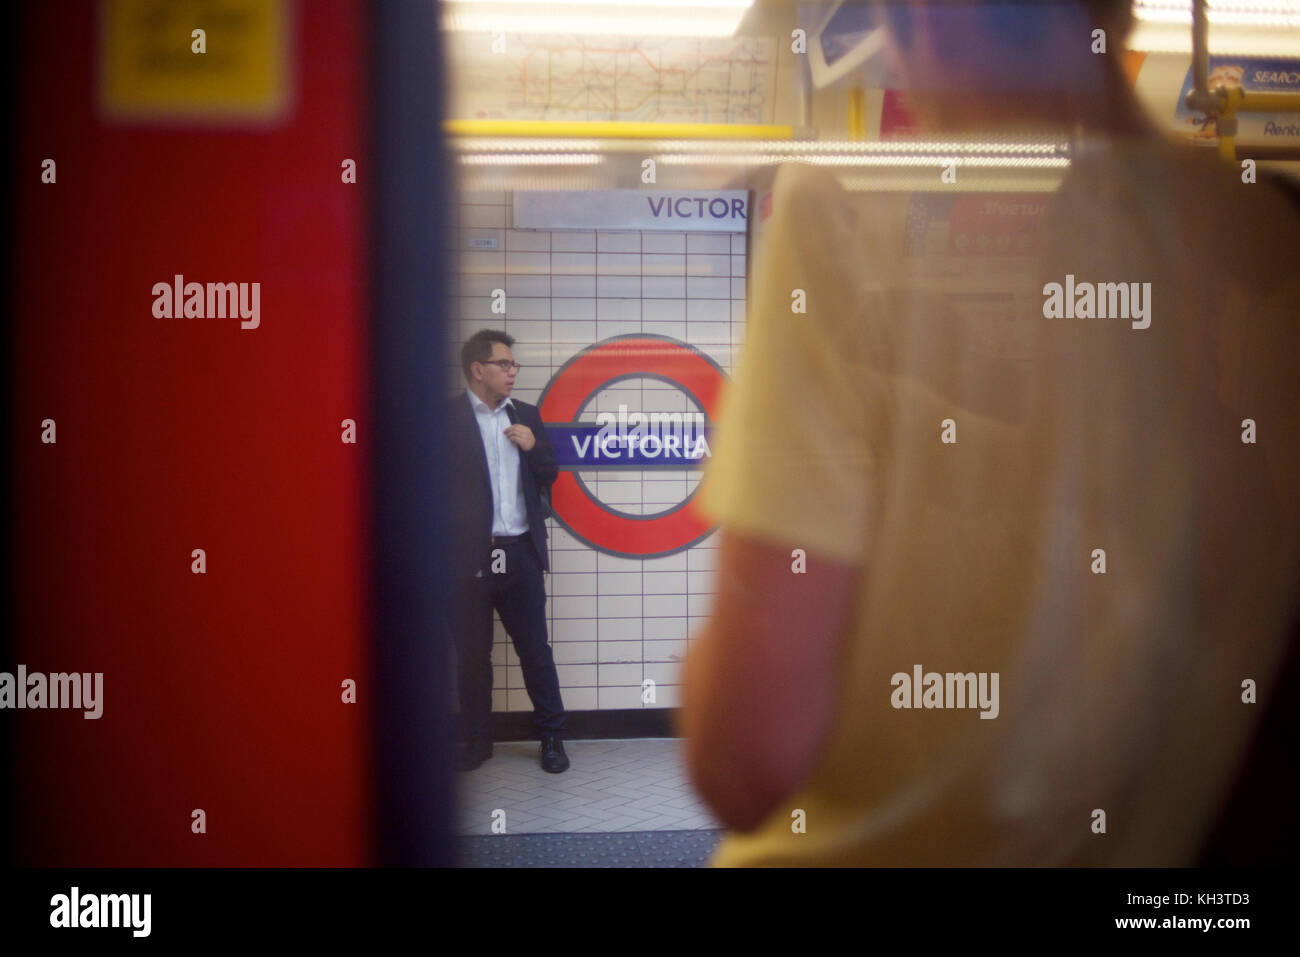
(471, 488)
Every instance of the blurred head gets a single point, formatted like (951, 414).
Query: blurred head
(972, 65)
(482, 358)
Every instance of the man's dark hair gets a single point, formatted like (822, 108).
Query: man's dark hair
(478, 348)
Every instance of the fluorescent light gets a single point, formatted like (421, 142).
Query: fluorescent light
(1236, 27)
(1227, 12)
(680, 153)
(692, 18)
(935, 161)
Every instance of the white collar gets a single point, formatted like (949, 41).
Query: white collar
(478, 403)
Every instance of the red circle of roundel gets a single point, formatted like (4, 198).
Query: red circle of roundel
(571, 388)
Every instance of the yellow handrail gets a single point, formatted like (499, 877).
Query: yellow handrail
(601, 129)
(857, 114)
(1236, 100)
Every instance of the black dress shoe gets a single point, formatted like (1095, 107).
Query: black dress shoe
(474, 753)
(554, 759)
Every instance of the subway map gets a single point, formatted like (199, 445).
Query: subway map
(659, 79)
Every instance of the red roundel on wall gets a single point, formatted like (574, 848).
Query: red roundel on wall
(562, 402)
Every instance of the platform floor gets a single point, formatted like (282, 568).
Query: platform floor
(612, 786)
(630, 849)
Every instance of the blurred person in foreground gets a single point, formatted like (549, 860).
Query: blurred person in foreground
(1120, 716)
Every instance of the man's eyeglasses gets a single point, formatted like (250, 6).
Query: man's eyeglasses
(505, 365)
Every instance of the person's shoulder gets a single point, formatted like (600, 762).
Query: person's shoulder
(803, 194)
(1186, 200)
(802, 179)
(457, 403)
(816, 218)
(1250, 223)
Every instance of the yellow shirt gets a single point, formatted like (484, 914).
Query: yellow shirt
(1119, 675)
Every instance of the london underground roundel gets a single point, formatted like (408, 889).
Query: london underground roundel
(675, 445)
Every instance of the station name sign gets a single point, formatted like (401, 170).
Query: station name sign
(716, 211)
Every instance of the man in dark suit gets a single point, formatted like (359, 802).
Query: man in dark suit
(502, 468)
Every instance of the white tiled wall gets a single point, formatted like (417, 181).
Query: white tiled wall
(613, 621)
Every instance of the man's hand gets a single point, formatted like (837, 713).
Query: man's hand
(522, 436)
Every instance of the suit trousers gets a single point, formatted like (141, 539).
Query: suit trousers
(518, 593)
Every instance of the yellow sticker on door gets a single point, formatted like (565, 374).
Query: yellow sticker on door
(224, 60)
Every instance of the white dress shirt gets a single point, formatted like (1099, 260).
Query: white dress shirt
(509, 514)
